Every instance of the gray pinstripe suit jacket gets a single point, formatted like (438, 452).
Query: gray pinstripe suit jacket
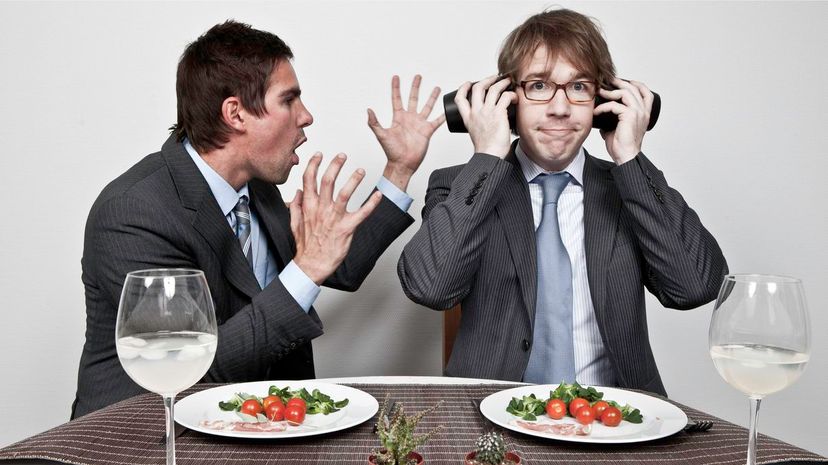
(476, 247)
(161, 213)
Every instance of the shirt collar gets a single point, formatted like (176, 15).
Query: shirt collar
(225, 195)
(531, 170)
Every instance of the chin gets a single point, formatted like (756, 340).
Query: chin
(280, 179)
(553, 158)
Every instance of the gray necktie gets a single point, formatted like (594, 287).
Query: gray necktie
(242, 212)
(553, 356)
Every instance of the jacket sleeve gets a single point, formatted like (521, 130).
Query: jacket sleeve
(684, 264)
(371, 239)
(437, 267)
(126, 233)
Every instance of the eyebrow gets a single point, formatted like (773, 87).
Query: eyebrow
(291, 92)
(542, 75)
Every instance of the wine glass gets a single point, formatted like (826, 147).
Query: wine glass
(166, 334)
(760, 338)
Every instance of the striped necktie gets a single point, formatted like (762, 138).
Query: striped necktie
(552, 359)
(242, 212)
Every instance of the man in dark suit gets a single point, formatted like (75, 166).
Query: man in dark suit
(548, 249)
(213, 186)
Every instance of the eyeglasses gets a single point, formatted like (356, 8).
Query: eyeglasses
(575, 91)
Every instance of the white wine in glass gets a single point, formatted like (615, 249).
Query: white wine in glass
(760, 338)
(166, 334)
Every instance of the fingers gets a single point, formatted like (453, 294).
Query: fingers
(462, 101)
(432, 99)
(296, 219)
(506, 99)
(414, 96)
(375, 126)
(309, 179)
(646, 94)
(374, 123)
(344, 196)
(611, 106)
(329, 178)
(629, 94)
(496, 89)
(366, 209)
(479, 90)
(438, 121)
(396, 100)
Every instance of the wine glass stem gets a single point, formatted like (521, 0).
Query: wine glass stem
(754, 418)
(168, 410)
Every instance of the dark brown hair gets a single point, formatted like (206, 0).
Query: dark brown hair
(231, 59)
(564, 33)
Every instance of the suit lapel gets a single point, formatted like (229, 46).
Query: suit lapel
(270, 208)
(515, 212)
(602, 206)
(208, 219)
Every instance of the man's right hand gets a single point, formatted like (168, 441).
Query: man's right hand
(485, 114)
(321, 225)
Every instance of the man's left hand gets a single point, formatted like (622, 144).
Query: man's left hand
(405, 142)
(632, 101)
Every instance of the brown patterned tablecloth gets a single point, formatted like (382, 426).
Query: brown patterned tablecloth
(129, 432)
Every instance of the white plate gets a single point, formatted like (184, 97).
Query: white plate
(190, 411)
(660, 418)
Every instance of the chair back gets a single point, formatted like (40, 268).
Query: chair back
(451, 322)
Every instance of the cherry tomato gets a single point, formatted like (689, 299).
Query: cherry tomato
(556, 409)
(585, 415)
(294, 414)
(298, 402)
(599, 408)
(251, 407)
(271, 399)
(611, 416)
(275, 411)
(576, 405)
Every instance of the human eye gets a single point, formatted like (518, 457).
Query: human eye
(538, 86)
(289, 98)
(577, 86)
(581, 88)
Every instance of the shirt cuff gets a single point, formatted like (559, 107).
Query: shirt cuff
(298, 285)
(394, 194)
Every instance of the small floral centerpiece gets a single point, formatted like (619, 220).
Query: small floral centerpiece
(396, 435)
(491, 450)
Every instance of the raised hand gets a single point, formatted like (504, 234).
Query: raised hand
(321, 225)
(405, 141)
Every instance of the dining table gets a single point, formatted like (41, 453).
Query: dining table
(131, 432)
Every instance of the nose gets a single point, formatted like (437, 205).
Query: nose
(559, 105)
(305, 118)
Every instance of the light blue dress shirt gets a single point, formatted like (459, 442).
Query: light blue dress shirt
(296, 282)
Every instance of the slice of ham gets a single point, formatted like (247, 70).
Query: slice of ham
(245, 426)
(560, 429)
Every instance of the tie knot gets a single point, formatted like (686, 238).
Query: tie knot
(242, 210)
(552, 185)
(242, 204)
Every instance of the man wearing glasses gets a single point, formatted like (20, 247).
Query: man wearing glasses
(546, 248)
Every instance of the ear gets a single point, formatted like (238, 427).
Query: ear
(233, 114)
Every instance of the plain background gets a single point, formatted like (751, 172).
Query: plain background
(87, 89)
